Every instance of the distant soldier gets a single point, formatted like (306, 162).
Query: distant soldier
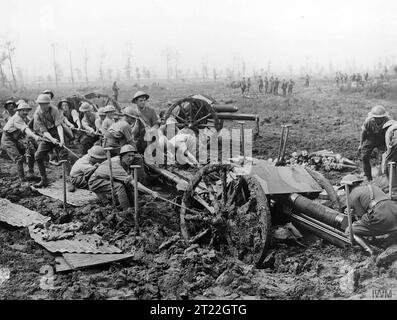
(291, 85)
(14, 141)
(99, 181)
(248, 84)
(243, 86)
(372, 136)
(48, 123)
(276, 84)
(376, 212)
(284, 86)
(260, 84)
(89, 125)
(115, 90)
(307, 79)
(50, 93)
(85, 167)
(266, 85)
(271, 84)
(109, 111)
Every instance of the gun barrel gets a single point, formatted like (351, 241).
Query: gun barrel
(225, 108)
(237, 116)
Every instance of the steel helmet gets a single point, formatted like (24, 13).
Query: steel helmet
(85, 106)
(139, 94)
(48, 91)
(378, 112)
(23, 106)
(20, 101)
(109, 108)
(131, 112)
(9, 102)
(97, 152)
(43, 99)
(389, 123)
(350, 179)
(128, 148)
(101, 111)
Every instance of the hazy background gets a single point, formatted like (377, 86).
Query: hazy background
(280, 36)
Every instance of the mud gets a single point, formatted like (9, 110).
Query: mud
(164, 265)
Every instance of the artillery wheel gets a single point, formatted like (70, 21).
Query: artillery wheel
(197, 115)
(233, 213)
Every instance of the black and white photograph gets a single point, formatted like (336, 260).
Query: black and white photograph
(198, 155)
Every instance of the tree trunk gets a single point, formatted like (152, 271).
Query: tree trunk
(71, 68)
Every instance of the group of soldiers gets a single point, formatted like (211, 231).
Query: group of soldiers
(98, 132)
(343, 78)
(377, 212)
(268, 86)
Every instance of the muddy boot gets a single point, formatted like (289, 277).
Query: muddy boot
(30, 175)
(44, 181)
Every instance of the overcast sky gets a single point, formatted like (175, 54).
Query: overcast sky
(286, 32)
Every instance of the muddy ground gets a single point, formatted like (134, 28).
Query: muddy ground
(323, 117)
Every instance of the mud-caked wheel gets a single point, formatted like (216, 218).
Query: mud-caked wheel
(228, 212)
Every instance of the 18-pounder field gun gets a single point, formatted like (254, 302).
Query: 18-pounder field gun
(199, 111)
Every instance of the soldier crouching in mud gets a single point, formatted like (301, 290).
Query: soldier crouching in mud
(372, 136)
(99, 181)
(377, 213)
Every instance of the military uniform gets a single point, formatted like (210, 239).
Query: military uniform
(148, 118)
(106, 124)
(378, 213)
(99, 181)
(89, 122)
(14, 142)
(119, 134)
(375, 138)
(81, 172)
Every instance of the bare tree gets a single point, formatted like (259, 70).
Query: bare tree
(71, 68)
(78, 74)
(10, 50)
(204, 68)
(176, 60)
(137, 73)
(168, 57)
(109, 74)
(214, 74)
(101, 72)
(4, 80)
(54, 64)
(86, 65)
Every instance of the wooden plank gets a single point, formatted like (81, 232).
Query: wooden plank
(83, 260)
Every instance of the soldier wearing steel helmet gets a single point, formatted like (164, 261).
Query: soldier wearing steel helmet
(84, 167)
(14, 141)
(122, 132)
(47, 122)
(148, 120)
(99, 181)
(91, 126)
(376, 213)
(372, 136)
(109, 111)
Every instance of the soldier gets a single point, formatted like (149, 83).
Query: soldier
(372, 136)
(148, 119)
(307, 80)
(14, 141)
(85, 167)
(266, 84)
(48, 123)
(123, 131)
(377, 213)
(275, 87)
(9, 111)
(290, 86)
(99, 181)
(284, 86)
(49, 92)
(248, 84)
(109, 111)
(89, 124)
(260, 84)
(115, 90)
(99, 120)
(243, 86)
(271, 85)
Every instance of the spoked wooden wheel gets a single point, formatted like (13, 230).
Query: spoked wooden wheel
(231, 213)
(194, 114)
